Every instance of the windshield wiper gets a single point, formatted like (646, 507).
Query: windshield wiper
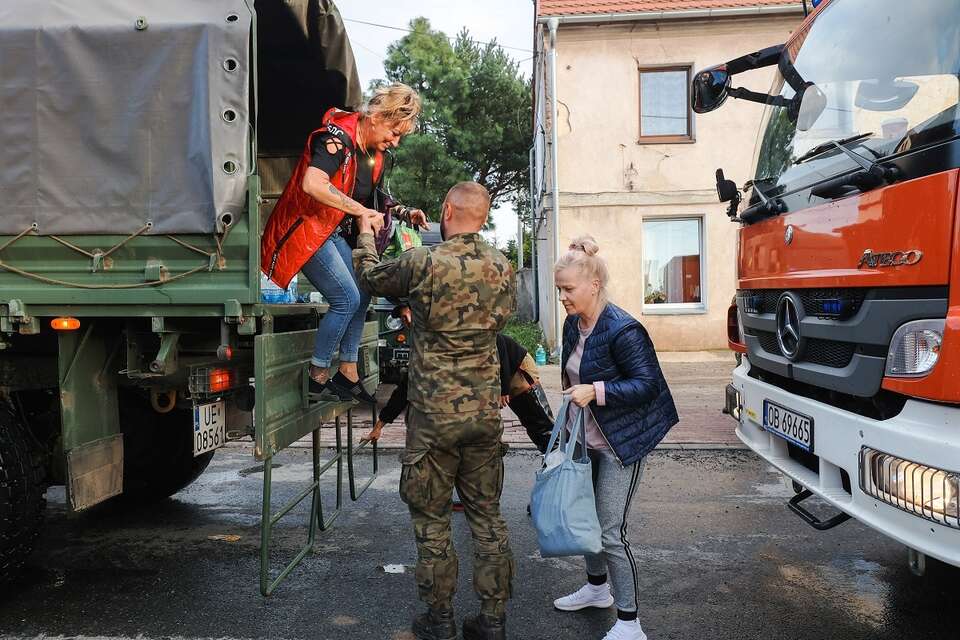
(871, 175)
(766, 207)
(830, 144)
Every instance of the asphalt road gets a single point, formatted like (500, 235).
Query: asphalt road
(721, 558)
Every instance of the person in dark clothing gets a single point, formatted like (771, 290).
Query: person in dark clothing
(609, 368)
(519, 389)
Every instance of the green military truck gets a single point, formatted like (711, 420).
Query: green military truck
(144, 145)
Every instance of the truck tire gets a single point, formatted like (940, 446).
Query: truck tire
(21, 495)
(158, 456)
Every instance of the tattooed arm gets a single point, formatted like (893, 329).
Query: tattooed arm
(316, 183)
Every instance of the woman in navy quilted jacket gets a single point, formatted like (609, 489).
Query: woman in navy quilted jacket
(610, 368)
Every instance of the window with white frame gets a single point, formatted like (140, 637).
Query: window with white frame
(673, 274)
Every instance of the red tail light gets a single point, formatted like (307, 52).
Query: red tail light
(220, 380)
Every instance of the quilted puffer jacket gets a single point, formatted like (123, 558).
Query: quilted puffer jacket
(634, 407)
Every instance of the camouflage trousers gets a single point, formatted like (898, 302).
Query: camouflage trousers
(460, 450)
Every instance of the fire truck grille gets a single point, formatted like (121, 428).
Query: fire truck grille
(828, 353)
(820, 303)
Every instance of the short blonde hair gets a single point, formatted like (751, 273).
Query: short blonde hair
(394, 103)
(582, 254)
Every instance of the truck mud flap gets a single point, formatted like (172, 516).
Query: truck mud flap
(283, 414)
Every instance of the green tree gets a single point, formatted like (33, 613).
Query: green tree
(511, 250)
(475, 121)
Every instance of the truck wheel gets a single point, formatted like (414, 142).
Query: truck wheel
(21, 495)
(157, 450)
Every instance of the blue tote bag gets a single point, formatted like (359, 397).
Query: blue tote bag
(563, 506)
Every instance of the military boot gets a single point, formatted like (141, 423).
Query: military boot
(485, 627)
(435, 624)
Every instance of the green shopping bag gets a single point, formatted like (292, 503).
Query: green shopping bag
(404, 237)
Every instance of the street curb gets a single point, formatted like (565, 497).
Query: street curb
(668, 446)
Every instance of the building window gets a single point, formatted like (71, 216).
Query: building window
(673, 270)
(665, 105)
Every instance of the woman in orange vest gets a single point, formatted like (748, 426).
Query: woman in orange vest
(312, 227)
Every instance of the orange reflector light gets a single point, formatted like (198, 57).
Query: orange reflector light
(401, 338)
(65, 324)
(219, 380)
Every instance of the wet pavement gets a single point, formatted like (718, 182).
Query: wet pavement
(721, 558)
(696, 379)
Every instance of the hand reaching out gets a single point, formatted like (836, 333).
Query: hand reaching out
(419, 219)
(370, 221)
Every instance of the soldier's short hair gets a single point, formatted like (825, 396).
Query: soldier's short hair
(471, 196)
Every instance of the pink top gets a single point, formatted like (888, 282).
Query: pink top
(595, 439)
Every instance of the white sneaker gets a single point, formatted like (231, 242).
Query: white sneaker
(626, 630)
(588, 595)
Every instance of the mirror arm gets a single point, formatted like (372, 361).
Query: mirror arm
(756, 60)
(762, 98)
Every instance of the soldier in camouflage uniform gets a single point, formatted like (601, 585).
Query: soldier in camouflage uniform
(461, 293)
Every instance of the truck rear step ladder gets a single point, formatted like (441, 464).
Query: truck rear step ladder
(317, 519)
(283, 414)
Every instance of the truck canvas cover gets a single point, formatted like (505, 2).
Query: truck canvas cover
(118, 115)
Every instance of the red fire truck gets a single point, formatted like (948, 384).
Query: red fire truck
(847, 310)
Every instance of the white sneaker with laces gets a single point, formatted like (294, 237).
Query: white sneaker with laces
(626, 630)
(588, 595)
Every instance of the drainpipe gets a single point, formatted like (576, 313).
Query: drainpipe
(534, 241)
(553, 24)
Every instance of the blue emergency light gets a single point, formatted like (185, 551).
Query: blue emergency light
(816, 3)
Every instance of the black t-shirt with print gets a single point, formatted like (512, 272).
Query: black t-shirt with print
(328, 154)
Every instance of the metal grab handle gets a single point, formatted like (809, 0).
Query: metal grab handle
(355, 494)
(812, 520)
(338, 459)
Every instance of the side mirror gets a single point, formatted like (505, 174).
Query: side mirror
(726, 189)
(812, 102)
(709, 89)
(885, 95)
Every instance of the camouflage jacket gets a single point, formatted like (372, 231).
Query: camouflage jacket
(461, 293)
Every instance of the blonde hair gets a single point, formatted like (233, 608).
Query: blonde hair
(394, 103)
(582, 254)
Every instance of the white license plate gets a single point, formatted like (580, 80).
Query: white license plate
(209, 427)
(788, 424)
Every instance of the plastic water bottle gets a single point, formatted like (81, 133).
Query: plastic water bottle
(271, 293)
(540, 357)
(290, 295)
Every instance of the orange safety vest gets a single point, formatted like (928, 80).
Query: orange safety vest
(299, 224)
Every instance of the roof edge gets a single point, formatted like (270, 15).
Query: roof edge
(683, 14)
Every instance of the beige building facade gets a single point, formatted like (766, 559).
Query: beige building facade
(635, 168)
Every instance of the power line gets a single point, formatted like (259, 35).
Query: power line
(365, 47)
(408, 30)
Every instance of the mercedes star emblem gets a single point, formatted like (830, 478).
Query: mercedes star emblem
(788, 234)
(788, 326)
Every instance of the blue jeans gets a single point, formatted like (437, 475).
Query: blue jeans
(330, 270)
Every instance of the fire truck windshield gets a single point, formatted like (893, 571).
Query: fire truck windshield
(880, 74)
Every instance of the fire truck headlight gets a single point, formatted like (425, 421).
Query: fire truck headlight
(924, 491)
(915, 348)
